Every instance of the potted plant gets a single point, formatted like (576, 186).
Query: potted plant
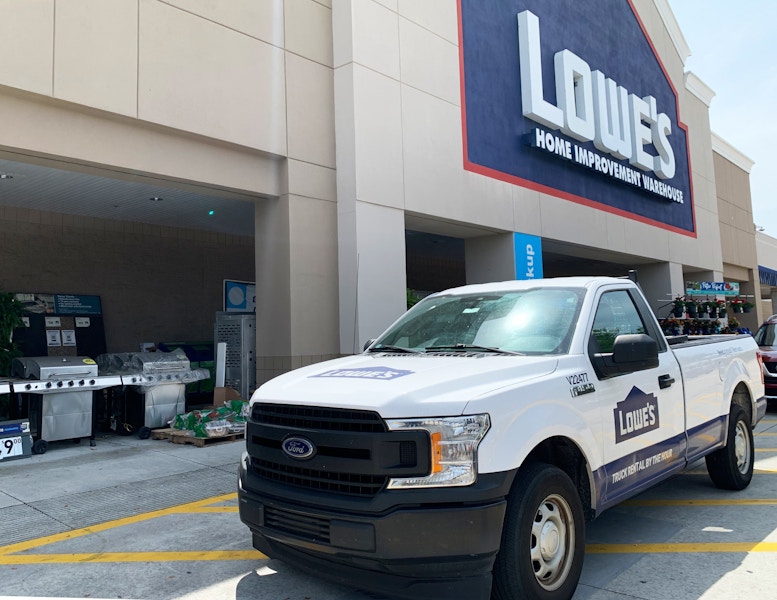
(713, 308)
(733, 325)
(692, 307)
(672, 326)
(747, 306)
(737, 305)
(678, 306)
(412, 299)
(10, 319)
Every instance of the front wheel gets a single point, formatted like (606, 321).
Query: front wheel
(731, 467)
(543, 541)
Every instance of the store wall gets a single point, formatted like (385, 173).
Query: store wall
(178, 63)
(737, 232)
(400, 146)
(766, 248)
(156, 283)
(231, 98)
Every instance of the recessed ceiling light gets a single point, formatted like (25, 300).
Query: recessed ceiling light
(155, 199)
(5, 176)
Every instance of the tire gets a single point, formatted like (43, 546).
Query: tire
(144, 433)
(731, 467)
(40, 447)
(543, 541)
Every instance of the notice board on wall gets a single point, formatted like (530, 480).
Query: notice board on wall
(60, 325)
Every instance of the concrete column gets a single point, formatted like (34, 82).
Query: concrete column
(372, 272)
(296, 284)
(660, 284)
(751, 291)
(490, 258)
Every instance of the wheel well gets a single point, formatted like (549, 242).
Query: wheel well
(741, 397)
(561, 452)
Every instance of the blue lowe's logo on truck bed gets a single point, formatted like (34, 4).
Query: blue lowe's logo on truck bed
(636, 415)
(381, 373)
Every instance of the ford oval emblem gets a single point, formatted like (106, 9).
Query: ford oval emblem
(298, 447)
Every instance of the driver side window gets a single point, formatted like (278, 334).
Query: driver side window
(616, 315)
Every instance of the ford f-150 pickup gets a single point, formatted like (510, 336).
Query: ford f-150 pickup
(460, 455)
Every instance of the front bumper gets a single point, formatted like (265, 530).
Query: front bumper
(436, 550)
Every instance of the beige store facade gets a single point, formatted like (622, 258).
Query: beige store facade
(330, 138)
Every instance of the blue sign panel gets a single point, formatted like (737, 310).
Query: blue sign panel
(70, 304)
(239, 296)
(528, 256)
(570, 98)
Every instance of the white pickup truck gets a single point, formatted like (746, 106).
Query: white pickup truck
(461, 454)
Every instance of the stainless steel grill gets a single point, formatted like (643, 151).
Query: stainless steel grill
(59, 392)
(156, 385)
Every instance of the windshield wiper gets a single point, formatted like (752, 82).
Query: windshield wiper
(389, 348)
(473, 347)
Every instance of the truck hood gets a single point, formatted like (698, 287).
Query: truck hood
(401, 386)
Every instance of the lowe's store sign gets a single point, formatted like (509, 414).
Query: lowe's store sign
(570, 98)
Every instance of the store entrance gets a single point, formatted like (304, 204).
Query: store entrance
(433, 262)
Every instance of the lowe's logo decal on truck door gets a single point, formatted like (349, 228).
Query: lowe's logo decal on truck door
(366, 373)
(636, 415)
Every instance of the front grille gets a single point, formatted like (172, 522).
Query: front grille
(311, 417)
(355, 453)
(771, 367)
(314, 529)
(324, 481)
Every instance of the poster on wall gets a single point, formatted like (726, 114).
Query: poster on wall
(60, 325)
(559, 100)
(712, 288)
(239, 296)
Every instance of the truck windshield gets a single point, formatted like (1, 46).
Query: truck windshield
(532, 321)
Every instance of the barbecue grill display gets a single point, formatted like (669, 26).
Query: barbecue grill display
(59, 393)
(154, 388)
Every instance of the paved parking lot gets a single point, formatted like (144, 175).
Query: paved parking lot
(154, 520)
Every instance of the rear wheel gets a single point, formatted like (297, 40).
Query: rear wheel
(543, 539)
(731, 467)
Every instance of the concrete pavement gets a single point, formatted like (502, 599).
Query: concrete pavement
(153, 520)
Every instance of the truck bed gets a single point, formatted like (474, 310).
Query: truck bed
(687, 341)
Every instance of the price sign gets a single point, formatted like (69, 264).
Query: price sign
(10, 447)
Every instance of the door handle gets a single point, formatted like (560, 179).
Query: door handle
(665, 381)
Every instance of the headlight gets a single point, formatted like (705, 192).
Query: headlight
(454, 444)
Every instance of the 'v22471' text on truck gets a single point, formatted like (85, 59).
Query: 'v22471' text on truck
(460, 455)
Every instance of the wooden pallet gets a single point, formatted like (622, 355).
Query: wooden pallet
(178, 436)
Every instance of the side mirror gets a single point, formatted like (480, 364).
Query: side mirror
(630, 352)
(635, 350)
(367, 344)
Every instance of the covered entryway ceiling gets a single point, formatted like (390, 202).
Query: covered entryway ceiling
(54, 186)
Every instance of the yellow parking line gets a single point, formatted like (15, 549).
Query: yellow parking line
(716, 502)
(704, 472)
(738, 547)
(69, 535)
(757, 433)
(766, 449)
(128, 557)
